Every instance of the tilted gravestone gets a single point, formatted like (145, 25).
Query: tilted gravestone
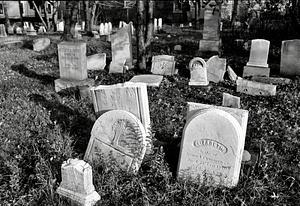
(216, 68)
(257, 64)
(198, 71)
(212, 144)
(2, 31)
(118, 136)
(255, 88)
(77, 182)
(149, 79)
(231, 74)
(290, 55)
(96, 61)
(163, 65)
(72, 66)
(231, 101)
(40, 44)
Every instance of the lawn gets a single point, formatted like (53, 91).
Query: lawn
(39, 129)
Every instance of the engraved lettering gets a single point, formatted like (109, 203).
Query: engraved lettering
(209, 142)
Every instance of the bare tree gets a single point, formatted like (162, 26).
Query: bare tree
(70, 18)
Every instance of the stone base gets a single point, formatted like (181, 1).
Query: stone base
(272, 80)
(198, 83)
(149, 79)
(256, 71)
(209, 45)
(82, 199)
(61, 84)
(117, 67)
(255, 88)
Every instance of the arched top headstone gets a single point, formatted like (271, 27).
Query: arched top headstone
(211, 148)
(259, 53)
(198, 71)
(118, 136)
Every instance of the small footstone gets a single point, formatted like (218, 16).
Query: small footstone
(149, 79)
(246, 156)
(231, 101)
(61, 84)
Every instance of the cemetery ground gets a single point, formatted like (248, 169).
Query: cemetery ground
(41, 128)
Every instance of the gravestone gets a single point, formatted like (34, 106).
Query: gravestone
(118, 136)
(211, 148)
(231, 101)
(19, 30)
(272, 80)
(60, 26)
(231, 74)
(163, 65)
(106, 29)
(255, 88)
(96, 35)
(177, 48)
(211, 28)
(10, 29)
(40, 44)
(117, 67)
(42, 30)
(121, 46)
(198, 71)
(290, 57)
(101, 29)
(155, 25)
(96, 61)
(31, 31)
(77, 182)
(149, 79)
(216, 68)
(109, 28)
(160, 23)
(26, 26)
(72, 65)
(2, 31)
(257, 64)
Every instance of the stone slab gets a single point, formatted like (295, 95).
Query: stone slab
(256, 71)
(118, 136)
(40, 44)
(96, 61)
(290, 57)
(231, 74)
(117, 66)
(231, 101)
(216, 68)
(149, 79)
(255, 88)
(61, 84)
(272, 80)
(209, 45)
(163, 65)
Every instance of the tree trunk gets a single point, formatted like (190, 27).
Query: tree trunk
(54, 15)
(70, 16)
(88, 27)
(21, 12)
(46, 16)
(150, 27)
(93, 15)
(7, 23)
(140, 34)
(234, 11)
(38, 12)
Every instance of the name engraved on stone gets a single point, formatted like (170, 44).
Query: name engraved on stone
(209, 142)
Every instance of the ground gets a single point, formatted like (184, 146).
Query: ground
(41, 128)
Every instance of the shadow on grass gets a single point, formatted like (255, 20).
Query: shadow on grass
(44, 78)
(71, 121)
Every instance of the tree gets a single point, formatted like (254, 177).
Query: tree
(90, 9)
(7, 23)
(70, 18)
(21, 12)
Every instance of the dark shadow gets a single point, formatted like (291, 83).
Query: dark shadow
(71, 121)
(44, 78)
(28, 44)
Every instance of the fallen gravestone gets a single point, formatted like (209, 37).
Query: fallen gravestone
(216, 68)
(198, 71)
(40, 44)
(231, 101)
(177, 48)
(272, 80)
(255, 88)
(231, 74)
(149, 79)
(2, 31)
(290, 57)
(163, 65)
(118, 136)
(211, 148)
(257, 64)
(77, 183)
(96, 61)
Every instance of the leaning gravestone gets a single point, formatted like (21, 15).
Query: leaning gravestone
(231, 101)
(198, 71)
(40, 44)
(2, 31)
(96, 61)
(231, 74)
(118, 136)
(257, 64)
(149, 79)
(163, 65)
(77, 182)
(216, 68)
(72, 66)
(290, 57)
(211, 148)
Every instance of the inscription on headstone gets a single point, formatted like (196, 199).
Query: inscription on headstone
(163, 65)
(40, 44)
(198, 71)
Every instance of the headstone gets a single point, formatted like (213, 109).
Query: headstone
(257, 64)
(121, 46)
(109, 27)
(40, 44)
(181, 25)
(211, 148)
(163, 65)
(290, 57)
(83, 25)
(117, 67)
(211, 28)
(106, 29)
(149, 79)
(231, 101)
(77, 182)
(31, 31)
(96, 61)
(216, 68)
(26, 26)
(42, 30)
(160, 23)
(155, 25)
(255, 88)
(10, 29)
(198, 71)
(272, 80)
(177, 48)
(60, 26)
(95, 34)
(120, 24)
(19, 30)
(2, 31)
(231, 74)
(118, 136)
(101, 29)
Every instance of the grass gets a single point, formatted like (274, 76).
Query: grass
(39, 129)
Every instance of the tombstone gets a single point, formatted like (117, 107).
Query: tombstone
(181, 25)
(82, 25)
(101, 29)
(77, 182)
(119, 137)
(106, 29)
(60, 26)
(120, 24)
(290, 55)
(95, 34)
(2, 31)
(121, 46)
(72, 65)
(155, 25)
(198, 71)
(257, 64)
(26, 26)
(255, 88)
(216, 68)
(10, 29)
(96, 61)
(42, 30)
(211, 148)
(40, 44)
(149, 79)
(177, 48)
(31, 31)
(231, 101)
(163, 65)
(211, 29)
(272, 80)
(231, 74)
(118, 67)
(19, 30)
(159, 25)
(109, 27)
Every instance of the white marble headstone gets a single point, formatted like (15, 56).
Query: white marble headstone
(290, 57)
(216, 68)
(259, 53)
(198, 71)
(101, 29)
